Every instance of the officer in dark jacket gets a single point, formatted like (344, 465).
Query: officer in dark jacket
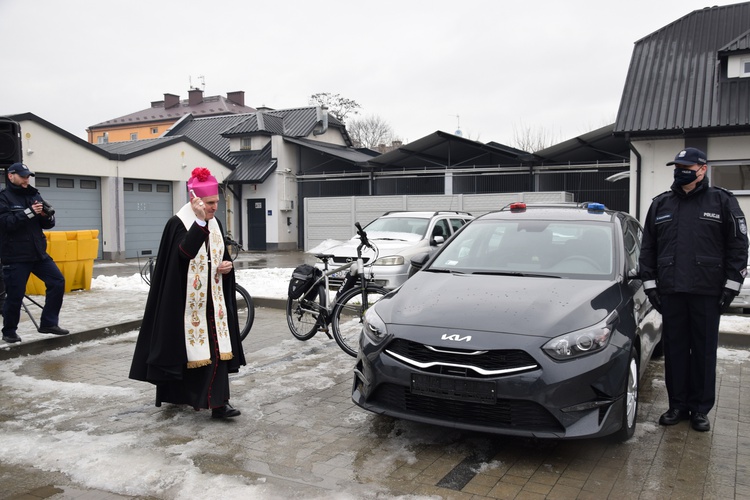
(23, 251)
(693, 262)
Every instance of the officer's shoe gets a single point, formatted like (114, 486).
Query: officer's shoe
(699, 422)
(11, 337)
(54, 330)
(673, 416)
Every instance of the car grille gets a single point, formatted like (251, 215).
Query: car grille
(458, 361)
(504, 413)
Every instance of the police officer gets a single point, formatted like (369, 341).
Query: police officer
(23, 251)
(693, 262)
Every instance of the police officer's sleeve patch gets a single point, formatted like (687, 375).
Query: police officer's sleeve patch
(742, 225)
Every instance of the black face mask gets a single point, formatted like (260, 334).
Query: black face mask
(683, 176)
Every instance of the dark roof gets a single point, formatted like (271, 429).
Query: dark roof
(597, 146)
(342, 152)
(209, 106)
(442, 150)
(677, 80)
(252, 166)
(214, 133)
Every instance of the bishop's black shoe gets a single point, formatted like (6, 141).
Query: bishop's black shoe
(699, 422)
(673, 416)
(226, 411)
(54, 330)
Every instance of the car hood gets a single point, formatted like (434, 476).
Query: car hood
(385, 247)
(544, 307)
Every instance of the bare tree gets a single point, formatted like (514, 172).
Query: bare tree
(370, 132)
(531, 139)
(338, 106)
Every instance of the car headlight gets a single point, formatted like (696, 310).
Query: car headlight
(391, 260)
(374, 327)
(582, 342)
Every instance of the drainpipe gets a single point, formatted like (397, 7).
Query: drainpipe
(638, 165)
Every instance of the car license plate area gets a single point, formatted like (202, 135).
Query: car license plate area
(457, 389)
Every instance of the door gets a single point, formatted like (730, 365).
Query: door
(256, 224)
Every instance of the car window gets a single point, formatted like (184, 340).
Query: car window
(632, 241)
(441, 228)
(401, 228)
(572, 249)
(456, 224)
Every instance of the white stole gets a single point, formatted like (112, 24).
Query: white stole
(199, 283)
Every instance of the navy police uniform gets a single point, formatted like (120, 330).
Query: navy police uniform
(694, 254)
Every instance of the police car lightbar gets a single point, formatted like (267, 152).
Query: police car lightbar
(596, 208)
(518, 207)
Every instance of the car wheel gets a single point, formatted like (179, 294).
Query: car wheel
(629, 400)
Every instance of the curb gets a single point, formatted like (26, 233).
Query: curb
(10, 351)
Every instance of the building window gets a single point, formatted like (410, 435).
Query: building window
(127, 186)
(745, 67)
(246, 143)
(103, 139)
(65, 183)
(162, 188)
(41, 182)
(145, 188)
(732, 177)
(134, 136)
(88, 184)
(154, 130)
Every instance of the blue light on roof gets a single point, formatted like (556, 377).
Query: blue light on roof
(596, 207)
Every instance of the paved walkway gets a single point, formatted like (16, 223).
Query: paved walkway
(74, 426)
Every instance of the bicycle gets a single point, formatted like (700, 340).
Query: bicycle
(313, 310)
(245, 304)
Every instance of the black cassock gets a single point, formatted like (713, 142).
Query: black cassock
(160, 355)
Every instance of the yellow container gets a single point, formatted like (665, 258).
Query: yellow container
(74, 253)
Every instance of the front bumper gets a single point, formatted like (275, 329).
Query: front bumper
(574, 399)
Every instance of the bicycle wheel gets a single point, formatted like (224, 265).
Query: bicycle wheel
(348, 314)
(302, 316)
(245, 310)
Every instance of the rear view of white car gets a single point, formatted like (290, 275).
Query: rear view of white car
(399, 236)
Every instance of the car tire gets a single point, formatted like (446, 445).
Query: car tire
(630, 399)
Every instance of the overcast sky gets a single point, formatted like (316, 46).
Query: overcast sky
(502, 67)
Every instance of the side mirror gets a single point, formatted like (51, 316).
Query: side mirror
(633, 274)
(437, 240)
(418, 262)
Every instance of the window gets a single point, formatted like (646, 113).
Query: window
(154, 130)
(246, 143)
(745, 67)
(65, 183)
(162, 188)
(145, 188)
(134, 136)
(127, 186)
(732, 177)
(88, 184)
(103, 139)
(42, 182)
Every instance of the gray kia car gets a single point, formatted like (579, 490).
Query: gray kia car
(530, 321)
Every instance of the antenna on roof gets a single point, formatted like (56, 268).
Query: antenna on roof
(458, 127)
(202, 80)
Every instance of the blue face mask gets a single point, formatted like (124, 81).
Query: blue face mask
(684, 176)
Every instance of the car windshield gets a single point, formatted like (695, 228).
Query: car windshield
(565, 249)
(397, 228)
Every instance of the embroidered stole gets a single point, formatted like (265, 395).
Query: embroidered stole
(199, 285)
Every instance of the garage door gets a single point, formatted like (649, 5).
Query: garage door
(77, 201)
(148, 206)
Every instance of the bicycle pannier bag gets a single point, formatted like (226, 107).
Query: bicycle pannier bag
(303, 278)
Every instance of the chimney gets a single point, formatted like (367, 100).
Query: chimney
(195, 97)
(171, 100)
(321, 115)
(237, 97)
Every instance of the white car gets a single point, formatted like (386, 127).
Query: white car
(399, 236)
(742, 300)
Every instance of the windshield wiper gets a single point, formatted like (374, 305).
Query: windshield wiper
(389, 239)
(515, 273)
(443, 270)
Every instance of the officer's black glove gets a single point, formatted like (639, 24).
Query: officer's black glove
(725, 301)
(653, 297)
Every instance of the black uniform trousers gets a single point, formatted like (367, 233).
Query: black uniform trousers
(16, 275)
(691, 336)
